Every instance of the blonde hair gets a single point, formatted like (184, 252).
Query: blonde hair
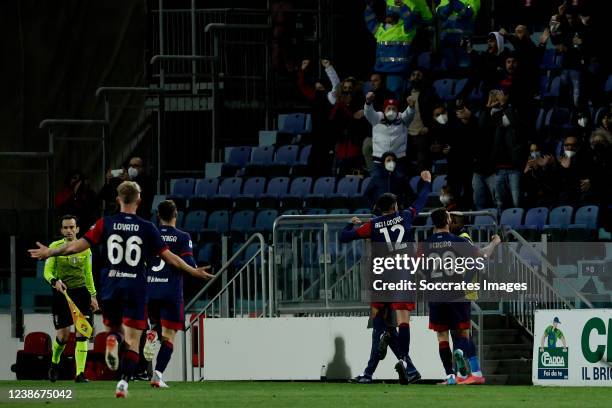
(128, 192)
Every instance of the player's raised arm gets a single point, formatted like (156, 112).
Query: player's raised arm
(177, 262)
(73, 247)
(421, 199)
(350, 233)
(488, 250)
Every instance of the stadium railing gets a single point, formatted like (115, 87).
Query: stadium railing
(538, 273)
(241, 290)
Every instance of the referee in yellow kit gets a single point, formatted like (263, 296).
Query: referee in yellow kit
(70, 273)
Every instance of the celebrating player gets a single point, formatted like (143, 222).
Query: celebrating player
(128, 242)
(397, 231)
(165, 289)
(73, 275)
(453, 315)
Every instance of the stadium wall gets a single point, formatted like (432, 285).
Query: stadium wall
(298, 348)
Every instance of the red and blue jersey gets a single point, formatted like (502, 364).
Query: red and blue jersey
(395, 228)
(164, 281)
(129, 244)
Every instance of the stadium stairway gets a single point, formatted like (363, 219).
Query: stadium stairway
(507, 351)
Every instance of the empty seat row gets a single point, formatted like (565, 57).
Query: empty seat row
(560, 217)
(250, 160)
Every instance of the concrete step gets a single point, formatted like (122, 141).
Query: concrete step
(508, 366)
(508, 379)
(505, 351)
(503, 336)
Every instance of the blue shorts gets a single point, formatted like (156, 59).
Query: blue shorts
(167, 312)
(125, 306)
(445, 316)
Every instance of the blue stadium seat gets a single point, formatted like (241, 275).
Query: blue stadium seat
(512, 217)
(540, 119)
(300, 187)
(305, 155)
(252, 189)
(424, 60)
(536, 218)
(295, 123)
(347, 187)
(438, 183)
(560, 216)
(550, 60)
(230, 187)
(180, 217)
(459, 85)
(300, 168)
(242, 221)
(364, 211)
(608, 85)
(194, 221)
(261, 157)
(183, 187)
(323, 188)
(444, 88)
(207, 254)
(292, 211)
(277, 188)
(551, 89)
(218, 221)
(558, 118)
(477, 93)
(339, 211)
(364, 186)
(586, 216)
(207, 188)
(156, 200)
(265, 220)
(286, 155)
(238, 158)
(486, 219)
(315, 211)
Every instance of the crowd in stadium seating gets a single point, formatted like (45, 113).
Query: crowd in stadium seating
(522, 121)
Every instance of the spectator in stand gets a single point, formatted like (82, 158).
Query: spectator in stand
(389, 133)
(348, 127)
(381, 94)
(423, 19)
(135, 172)
(388, 181)
(321, 154)
(483, 179)
(526, 56)
(456, 19)
(422, 98)
(605, 123)
(596, 188)
(486, 67)
(78, 198)
(449, 199)
(450, 136)
(393, 43)
(538, 179)
(572, 172)
(508, 149)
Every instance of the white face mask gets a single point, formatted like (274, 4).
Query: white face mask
(505, 121)
(445, 199)
(494, 111)
(391, 115)
(390, 166)
(132, 172)
(582, 122)
(442, 119)
(569, 153)
(535, 155)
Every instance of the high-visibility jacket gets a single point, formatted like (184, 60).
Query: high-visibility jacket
(392, 43)
(419, 8)
(457, 18)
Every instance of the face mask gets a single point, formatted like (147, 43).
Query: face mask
(442, 119)
(535, 155)
(554, 26)
(582, 122)
(391, 115)
(505, 121)
(495, 110)
(132, 172)
(390, 166)
(585, 21)
(569, 153)
(445, 199)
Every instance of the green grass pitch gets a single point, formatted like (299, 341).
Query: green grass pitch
(314, 394)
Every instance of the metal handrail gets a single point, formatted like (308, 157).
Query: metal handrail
(256, 236)
(159, 57)
(81, 122)
(548, 267)
(120, 89)
(216, 26)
